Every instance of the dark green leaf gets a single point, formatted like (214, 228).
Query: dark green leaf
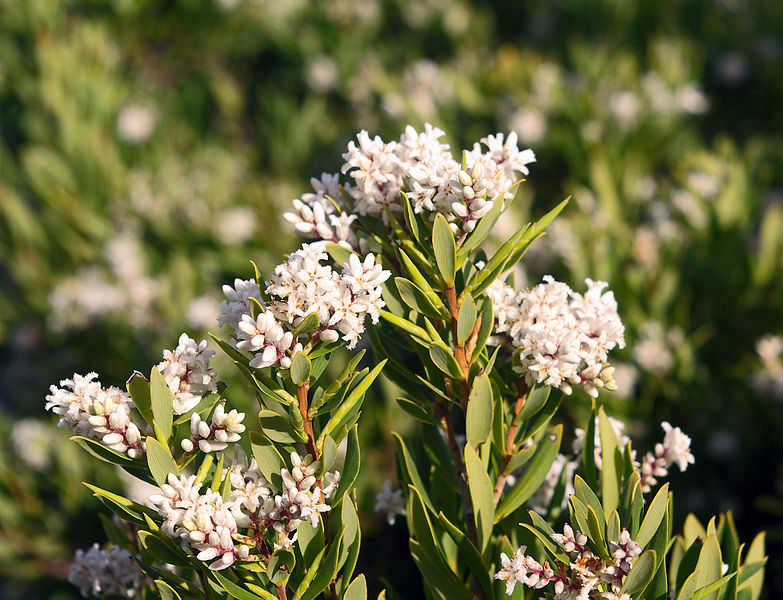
(478, 419)
(160, 461)
(466, 320)
(443, 358)
(270, 463)
(139, 390)
(300, 368)
(641, 573)
(445, 249)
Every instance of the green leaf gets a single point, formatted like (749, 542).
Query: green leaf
(308, 324)
(350, 466)
(416, 411)
(416, 299)
(278, 428)
(280, 566)
(139, 390)
(121, 506)
(521, 457)
(478, 419)
(484, 227)
(481, 494)
(756, 553)
(587, 495)
(270, 463)
(534, 401)
(357, 590)
(160, 550)
(411, 222)
(588, 452)
(466, 320)
(162, 406)
(103, 452)
(641, 574)
(445, 249)
(713, 588)
(543, 532)
(609, 485)
(310, 573)
(534, 475)
(352, 402)
(709, 563)
(443, 358)
(325, 573)
(469, 553)
(653, 517)
(444, 585)
(300, 368)
(406, 326)
(166, 591)
(339, 254)
(411, 471)
(689, 587)
(237, 591)
(160, 461)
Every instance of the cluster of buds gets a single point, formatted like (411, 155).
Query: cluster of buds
(237, 302)
(203, 521)
(469, 198)
(188, 373)
(266, 338)
(584, 576)
(316, 214)
(674, 449)
(226, 428)
(98, 572)
(89, 410)
(297, 503)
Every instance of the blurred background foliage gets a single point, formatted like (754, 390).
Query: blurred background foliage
(148, 148)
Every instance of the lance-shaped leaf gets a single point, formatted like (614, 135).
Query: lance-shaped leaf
(160, 461)
(478, 420)
(416, 299)
(350, 466)
(466, 320)
(469, 553)
(357, 590)
(411, 222)
(139, 390)
(103, 452)
(445, 249)
(352, 403)
(653, 517)
(441, 355)
(609, 484)
(162, 406)
(443, 584)
(270, 463)
(534, 475)
(641, 573)
(339, 254)
(406, 326)
(481, 491)
(278, 428)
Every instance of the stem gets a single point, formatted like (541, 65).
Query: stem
(511, 435)
(459, 350)
(204, 585)
(281, 595)
(301, 392)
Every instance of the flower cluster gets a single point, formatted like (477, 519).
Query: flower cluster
(188, 373)
(585, 576)
(237, 302)
(211, 526)
(303, 285)
(563, 337)
(391, 501)
(226, 428)
(89, 410)
(674, 449)
(99, 572)
(420, 165)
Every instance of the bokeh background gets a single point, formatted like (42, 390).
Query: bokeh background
(149, 147)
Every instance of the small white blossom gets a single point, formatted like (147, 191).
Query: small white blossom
(237, 302)
(225, 429)
(97, 572)
(391, 501)
(188, 373)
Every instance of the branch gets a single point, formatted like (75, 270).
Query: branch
(511, 435)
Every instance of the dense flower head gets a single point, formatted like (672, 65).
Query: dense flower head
(225, 428)
(87, 409)
(213, 526)
(97, 572)
(422, 167)
(303, 285)
(563, 337)
(585, 575)
(188, 373)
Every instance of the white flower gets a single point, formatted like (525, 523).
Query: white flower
(188, 373)
(225, 429)
(390, 501)
(136, 122)
(237, 302)
(374, 166)
(676, 447)
(523, 569)
(563, 337)
(86, 409)
(99, 572)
